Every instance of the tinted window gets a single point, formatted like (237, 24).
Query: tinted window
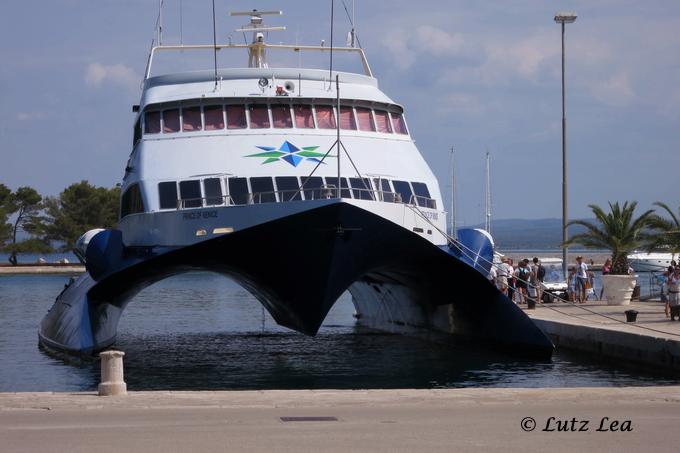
(167, 192)
(171, 120)
(238, 190)
(213, 117)
(138, 132)
(361, 188)
(259, 117)
(398, 123)
(236, 117)
(344, 193)
(403, 190)
(383, 121)
(212, 188)
(131, 201)
(303, 116)
(263, 190)
(365, 118)
(288, 188)
(281, 117)
(312, 187)
(191, 119)
(152, 122)
(190, 193)
(423, 195)
(325, 117)
(386, 190)
(347, 121)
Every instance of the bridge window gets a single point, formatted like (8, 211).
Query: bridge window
(167, 193)
(383, 121)
(190, 193)
(403, 190)
(312, 187)
(288, 188)
(281, 117)
(131, 201)
(347, 120)
(191, 119)
(263, 190)
(365, 118)
(238, 190)
(398, 124)
(259, 117)
(385, 189)
(423, 195)
(152, 122)
(303, 116)
(361, 188)
(344, 192)
(138, 131)
(213, 117)
(212, 187)
(236, 117)
(325, 117)
(171, 120)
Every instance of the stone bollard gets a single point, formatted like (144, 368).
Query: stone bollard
(112, 374)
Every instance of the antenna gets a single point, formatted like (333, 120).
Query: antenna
(160, 22)
(257, 57)
(330, 68)
(214, 42)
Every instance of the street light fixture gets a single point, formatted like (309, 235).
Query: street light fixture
(564, 17)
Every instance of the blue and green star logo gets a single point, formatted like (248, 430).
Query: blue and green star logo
(288, 152)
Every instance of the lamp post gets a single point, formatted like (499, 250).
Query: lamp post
(564, 18)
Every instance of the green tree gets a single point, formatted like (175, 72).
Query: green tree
(618, 231)
(79, 208)
(666, 231)
(5, 228)
(25, 203)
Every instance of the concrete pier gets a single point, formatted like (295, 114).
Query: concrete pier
(600, 329)
(42, 269)
(488, 420)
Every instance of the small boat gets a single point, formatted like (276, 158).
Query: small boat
(650, 262)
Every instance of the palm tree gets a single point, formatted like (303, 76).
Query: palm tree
(617, 230)
(666, 231)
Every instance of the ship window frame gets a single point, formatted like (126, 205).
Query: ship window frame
(229, 191)
(213, 107)
(281, 107)
(400, 120)
(264, 107)
(246, 116)
(146, 122)
(309, 191)
(265, 196)
(286, 194)
(364, 191)
(331, 109)
(353, 119)
(197, 109)
(345, 190)
(385, 190)
(395, 183)
(179, 120)
(194, 202)
(311, 115)
(161, 198)
(388, 121)
(213, 199)
(132, 201)
(427, 200)
(369, 111)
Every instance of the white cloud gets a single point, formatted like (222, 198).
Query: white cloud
(97, 74)
(28, 116)
(616, 90)
(405, 46)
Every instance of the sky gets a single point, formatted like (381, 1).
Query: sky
(475, 76)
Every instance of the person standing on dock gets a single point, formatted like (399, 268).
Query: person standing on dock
(606, 269)
(674, 293)
(537, 276)
(581, 279)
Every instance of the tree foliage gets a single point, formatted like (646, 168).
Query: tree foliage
(79, 208)
(666, 230)
(5, 228)
(617, 230)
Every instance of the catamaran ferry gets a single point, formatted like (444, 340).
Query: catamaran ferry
(298, 183)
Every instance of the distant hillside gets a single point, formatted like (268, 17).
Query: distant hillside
(513, 234)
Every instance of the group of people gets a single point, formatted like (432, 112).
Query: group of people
(522, 283)
(581, 280)
(673, 281)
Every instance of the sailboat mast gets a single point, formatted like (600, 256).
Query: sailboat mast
(453, 196)
(487, 210)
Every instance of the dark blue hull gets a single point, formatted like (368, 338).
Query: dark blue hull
(298, 266)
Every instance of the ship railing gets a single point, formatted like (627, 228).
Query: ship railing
(324, 192)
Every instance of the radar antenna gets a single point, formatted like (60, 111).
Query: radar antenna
(257, 54)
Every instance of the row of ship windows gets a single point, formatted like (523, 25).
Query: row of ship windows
(242, 191)
(261, 116)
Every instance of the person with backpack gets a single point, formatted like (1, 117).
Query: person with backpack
(523, 274)
(537, 277)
